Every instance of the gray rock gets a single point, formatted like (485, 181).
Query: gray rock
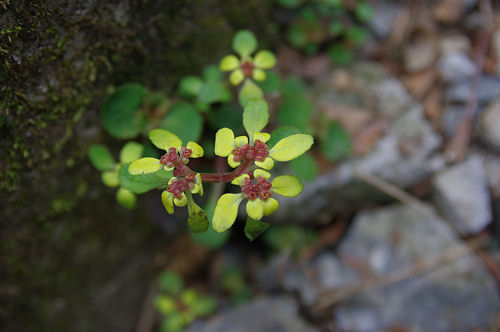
(452, 115)
(402, 156)
(489, 89)
(457, 296)
(462, 195)
(454, 43)
(490, 124)
(325, 273)
(456, 67)
(391, 97)
(385, 12)
(492, 168)
(496, 45)
(265, 314)
(420, 54)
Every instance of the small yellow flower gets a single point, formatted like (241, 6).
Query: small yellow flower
(245, 43)
(258, 190)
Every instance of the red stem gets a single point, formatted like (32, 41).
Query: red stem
(228, 176)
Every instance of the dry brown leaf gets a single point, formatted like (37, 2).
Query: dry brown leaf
(419, 84)
(366, 138)
(448, 11)
(433, 105)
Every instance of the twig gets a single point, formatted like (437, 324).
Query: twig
(332, 297)
(457, 145)
(146, 320)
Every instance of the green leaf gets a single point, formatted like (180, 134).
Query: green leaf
(130, 152)
(165, 304)
(164, 139)
(101, 158)
(305, 167)
(281, 132)
(184, 121)
(297, 35)
(125, 198)
(335, 28)
(228, 116)
(364, 11)
(336, 144)
(211, 239)
(226, 212)
(290, 3)
(139, 184)
(212, 73)
(291, 147)
(197, 220)
(190, 86)
(120, 113)
(145, 165)
(255, 116)
(264, 59)
(244, 43)
(213, 92)
(249, 91)
(110, 178)
(254, 228)
(229, 62)
(203, 306)
(271, 83)
(287, 185)
(171, 283)
(341, 55)
(356, 35)
(295, 108)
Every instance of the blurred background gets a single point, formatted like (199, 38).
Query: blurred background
(396, 230)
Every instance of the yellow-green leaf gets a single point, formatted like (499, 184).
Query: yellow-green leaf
(291, 147)
(144, 166)
(263, 137)
(229, 62)
(249, 91)
(224, 142)
(259, 75)
(264, 59)
(287, 185)
(261, 173)
(255, 117)
(240, 180)
(226, 211)
(130, 152)
(110, 178)
(126, 198)
(196, 148)
(270, 206)
(167, 199)
(164, 139)
(236, 77)
(101, 158)
(255, 209)
(268, 163)
(244, 43)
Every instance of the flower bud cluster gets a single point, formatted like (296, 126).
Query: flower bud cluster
(179, 186)
(258, 152)
(175, 160)
(247, 68)
(254, 188)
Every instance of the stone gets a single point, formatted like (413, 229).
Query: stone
(391, 97)
(496, 45)
(402, 156)
(384, 15)
(325, 273)
(452, 115)
(420, 54)
(492, 168)
(490, 124)
(459, 295)
(455, 67)
(489, 89)
(264, 314)
(454, 43)
(461, 194)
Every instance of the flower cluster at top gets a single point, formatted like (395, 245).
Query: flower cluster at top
(251, 159)
(245, 43)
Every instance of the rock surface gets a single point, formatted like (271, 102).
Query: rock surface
(456, 67)
(490, 124)
(462, 195)
(459, 295)
(265, 314)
